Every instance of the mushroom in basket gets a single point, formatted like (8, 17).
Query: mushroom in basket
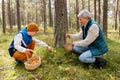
(33, 62)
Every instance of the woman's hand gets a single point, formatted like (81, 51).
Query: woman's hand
(67, 36)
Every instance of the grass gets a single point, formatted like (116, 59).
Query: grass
(61, 65)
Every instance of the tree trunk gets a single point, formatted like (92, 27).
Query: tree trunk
(95, 11)
(99, 11)
(119, 16)
(9, 15)
(28, 17)
(60, 22)
(69, 17)
(83, 4)
(13, 15)
(18, 15)
(77, 11)
(37, 13)
(44, 15)
(113, 23)
(105, 9)
(66, 17)
(23, 17)
(89, 5)
(50, 15)
(3, 17)
(0, 20)
(116, 11)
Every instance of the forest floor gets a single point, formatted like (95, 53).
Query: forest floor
(61, 65)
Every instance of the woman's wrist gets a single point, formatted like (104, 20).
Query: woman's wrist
(72, 44)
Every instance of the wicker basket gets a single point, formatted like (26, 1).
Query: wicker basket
(33, 63)
(68, 46)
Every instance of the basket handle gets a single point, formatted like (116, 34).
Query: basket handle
(27, 57)
(31, 51)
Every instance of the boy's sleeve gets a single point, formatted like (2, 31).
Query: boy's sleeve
(17, 43)
(40, 43)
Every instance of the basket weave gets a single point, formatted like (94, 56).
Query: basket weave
(68, 46)
(34, 66)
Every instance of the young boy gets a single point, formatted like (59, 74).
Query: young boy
(23, 43)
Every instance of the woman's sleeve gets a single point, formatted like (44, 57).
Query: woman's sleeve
(76, 36)
(93, 33)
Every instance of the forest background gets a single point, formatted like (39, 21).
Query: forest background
(56, 18)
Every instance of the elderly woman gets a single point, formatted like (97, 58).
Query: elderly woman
(93, 43)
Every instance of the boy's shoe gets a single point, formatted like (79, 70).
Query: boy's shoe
(100, 62)
(18, 62)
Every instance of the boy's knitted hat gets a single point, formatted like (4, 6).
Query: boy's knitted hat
(32, 27)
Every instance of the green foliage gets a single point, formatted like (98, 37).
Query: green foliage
(61, 65)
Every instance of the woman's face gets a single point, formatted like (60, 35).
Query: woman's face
(83, 20)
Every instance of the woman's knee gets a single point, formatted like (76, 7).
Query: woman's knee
(82, 59)
(76, 49)
(80, 49)
(87, 57)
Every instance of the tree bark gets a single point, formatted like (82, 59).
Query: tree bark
(60, 22)
(83, 4)
(77, 11)
(50, 15)
(116, 11)
(119, 16)
(69, 17)
(37, 12)
(9, 14)
(3, 17)
(0, 20)
(14, 20)
(105, 21)
(18, 15)
(44, 16)
(89, 5)
(95, 11)
(99, 11)
(23, 15)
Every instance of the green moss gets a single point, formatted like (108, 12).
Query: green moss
(61, 65)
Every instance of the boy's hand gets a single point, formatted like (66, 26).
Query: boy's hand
(28, 50)
(28, 54)
(50, 49)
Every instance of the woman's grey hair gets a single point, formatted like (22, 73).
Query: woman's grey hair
(84, 13)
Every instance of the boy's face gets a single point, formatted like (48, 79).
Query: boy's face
(32, 33)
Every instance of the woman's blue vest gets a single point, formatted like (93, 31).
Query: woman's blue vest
(25, 37)
(99, 46)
